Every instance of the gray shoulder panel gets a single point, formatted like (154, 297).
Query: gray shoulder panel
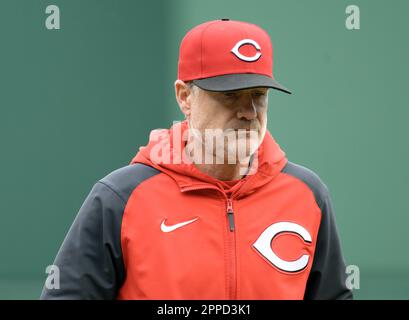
(124, 180)
(310, 178)
(90, 260)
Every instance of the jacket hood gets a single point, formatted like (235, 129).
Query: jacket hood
(165, 152)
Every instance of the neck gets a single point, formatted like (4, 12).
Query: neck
(222, 171)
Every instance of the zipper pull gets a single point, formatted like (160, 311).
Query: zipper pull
(230, 214)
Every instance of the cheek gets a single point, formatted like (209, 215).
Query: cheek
(201, 118)
(263, 123)
(209, 117)
(262, 116)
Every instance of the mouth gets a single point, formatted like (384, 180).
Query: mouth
(245, 129)
(246, 133)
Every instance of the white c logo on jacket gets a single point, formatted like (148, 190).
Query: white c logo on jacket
(263, 245)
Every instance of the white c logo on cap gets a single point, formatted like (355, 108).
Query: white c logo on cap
(263, 245)
(236, 52)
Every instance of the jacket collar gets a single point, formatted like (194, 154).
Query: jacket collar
(165, 152)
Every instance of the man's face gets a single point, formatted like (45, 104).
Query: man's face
(240, 116)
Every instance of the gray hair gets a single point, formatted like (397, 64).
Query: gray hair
(191, 85)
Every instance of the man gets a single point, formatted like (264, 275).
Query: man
(211, 208)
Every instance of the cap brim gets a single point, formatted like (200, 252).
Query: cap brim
(239, 81)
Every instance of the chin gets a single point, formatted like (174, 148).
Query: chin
(241, 150)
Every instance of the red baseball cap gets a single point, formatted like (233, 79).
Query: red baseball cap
(226, 55)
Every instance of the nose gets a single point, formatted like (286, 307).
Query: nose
(247, 109)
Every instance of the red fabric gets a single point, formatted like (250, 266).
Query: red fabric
(204, 259)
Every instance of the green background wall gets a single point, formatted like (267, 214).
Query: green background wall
(77, 103)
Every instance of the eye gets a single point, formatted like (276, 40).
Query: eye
(229, 94)
(259, 94)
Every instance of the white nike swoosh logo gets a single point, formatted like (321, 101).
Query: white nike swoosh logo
(166, 228)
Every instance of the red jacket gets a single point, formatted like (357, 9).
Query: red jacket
(168, 231)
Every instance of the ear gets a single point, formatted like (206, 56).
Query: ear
(184, 97)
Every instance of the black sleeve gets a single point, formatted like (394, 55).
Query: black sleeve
(90, 259)
(327, 280)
